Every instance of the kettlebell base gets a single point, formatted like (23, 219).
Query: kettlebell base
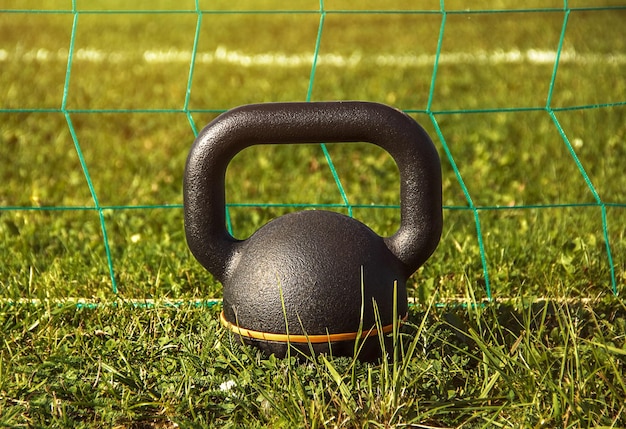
(369, 350)
(369, 346)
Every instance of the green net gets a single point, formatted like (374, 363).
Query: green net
(102, 100)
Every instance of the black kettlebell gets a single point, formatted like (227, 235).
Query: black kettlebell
(313, 279)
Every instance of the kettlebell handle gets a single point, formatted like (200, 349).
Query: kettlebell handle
(312, 122)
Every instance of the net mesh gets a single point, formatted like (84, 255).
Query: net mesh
(102, 102)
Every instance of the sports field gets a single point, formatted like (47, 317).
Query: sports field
(100, 103)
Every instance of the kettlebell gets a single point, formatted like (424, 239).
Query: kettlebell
(315, 280)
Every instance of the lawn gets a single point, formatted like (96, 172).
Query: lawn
(518, 318)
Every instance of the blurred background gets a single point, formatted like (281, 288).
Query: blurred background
(101, 101)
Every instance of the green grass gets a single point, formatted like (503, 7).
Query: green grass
(533, 153)
(540, 365)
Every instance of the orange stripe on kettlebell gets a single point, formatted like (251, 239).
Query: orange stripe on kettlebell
(293, 338)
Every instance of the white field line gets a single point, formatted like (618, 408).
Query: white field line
(224, 55)
(218, 301)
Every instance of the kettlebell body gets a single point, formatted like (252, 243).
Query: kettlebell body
(316, 280)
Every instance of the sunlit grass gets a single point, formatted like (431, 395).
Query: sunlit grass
(545, 364)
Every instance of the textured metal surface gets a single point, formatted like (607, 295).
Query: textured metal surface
(312, 272)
